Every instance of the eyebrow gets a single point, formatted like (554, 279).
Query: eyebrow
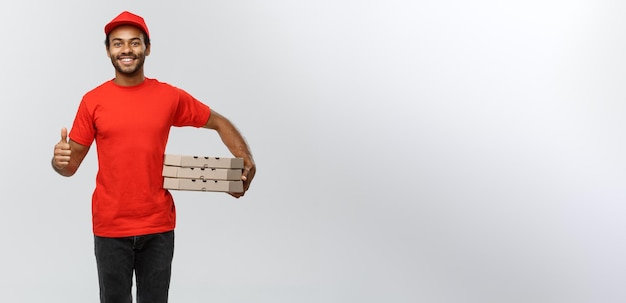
(120, 39)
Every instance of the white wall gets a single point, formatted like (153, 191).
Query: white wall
(407, 151)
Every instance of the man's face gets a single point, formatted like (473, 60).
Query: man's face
(127, 49)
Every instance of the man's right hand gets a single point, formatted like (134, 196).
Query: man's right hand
(62, 152)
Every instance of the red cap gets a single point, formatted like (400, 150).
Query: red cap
(127, 18)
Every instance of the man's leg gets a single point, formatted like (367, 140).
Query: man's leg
(153, 267)
(115, 258)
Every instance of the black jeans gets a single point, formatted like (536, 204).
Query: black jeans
(150, 256)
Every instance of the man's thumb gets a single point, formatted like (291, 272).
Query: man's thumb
(64, 135)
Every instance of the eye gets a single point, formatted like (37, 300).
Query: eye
(117, 44)
(135, 43)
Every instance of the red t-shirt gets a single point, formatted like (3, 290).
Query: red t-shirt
(131, 126)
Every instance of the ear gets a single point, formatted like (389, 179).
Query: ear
(108, 52)
(147, 51)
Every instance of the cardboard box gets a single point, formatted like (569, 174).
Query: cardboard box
(203, 185)
(202, 173)
(206, 162)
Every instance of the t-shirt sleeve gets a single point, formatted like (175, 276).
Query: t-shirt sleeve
(83, 130)
(190, 111)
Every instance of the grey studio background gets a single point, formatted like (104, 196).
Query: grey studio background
(407, 151)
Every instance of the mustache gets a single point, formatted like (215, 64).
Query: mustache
(122, 56)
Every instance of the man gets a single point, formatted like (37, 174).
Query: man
(129, 117)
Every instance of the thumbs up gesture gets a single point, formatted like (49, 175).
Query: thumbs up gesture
(62, 152)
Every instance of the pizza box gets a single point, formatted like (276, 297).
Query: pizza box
(201, 173)
(203, 185)
(198, 161)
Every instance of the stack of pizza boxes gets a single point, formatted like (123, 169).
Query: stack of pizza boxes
(195, 173)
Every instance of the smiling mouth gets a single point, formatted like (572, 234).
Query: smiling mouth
(127, 60)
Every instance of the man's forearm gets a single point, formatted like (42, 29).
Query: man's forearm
(231, 137)
(235, 143)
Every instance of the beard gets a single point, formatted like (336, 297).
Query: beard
(129, 70)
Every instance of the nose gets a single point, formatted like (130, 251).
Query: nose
(126, 48)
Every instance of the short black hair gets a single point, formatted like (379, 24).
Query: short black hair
(146, 39)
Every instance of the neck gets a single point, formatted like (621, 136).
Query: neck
(129, 80)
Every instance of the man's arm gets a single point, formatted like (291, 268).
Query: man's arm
(236, 144)
(68, 155)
